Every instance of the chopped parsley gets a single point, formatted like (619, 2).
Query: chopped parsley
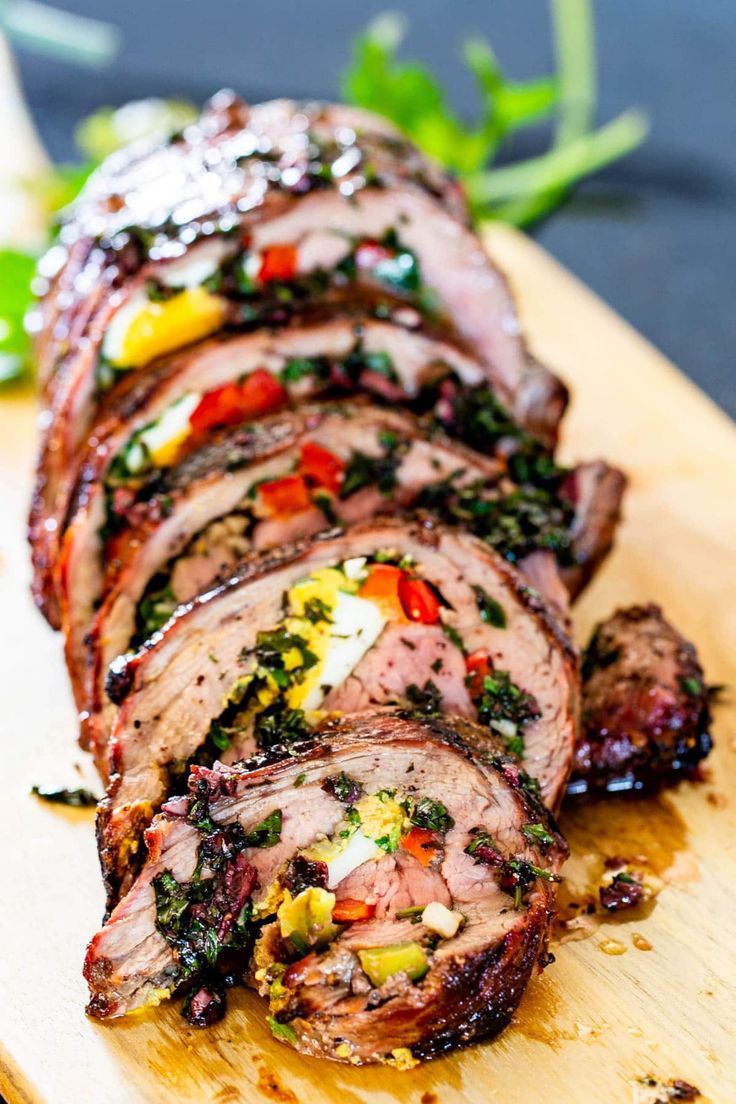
(537, 833)
(491, 611)
(267, 833)
(154, 609)
(316, 610)
(425, 700)
(373, 471)
(425, 812)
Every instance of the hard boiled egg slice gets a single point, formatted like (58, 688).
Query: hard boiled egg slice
(143, 329)
(340, 645)
(360, 849)
(164, 438)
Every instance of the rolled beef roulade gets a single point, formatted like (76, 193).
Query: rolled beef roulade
(397, 877)
(388, 611)
(247, 217)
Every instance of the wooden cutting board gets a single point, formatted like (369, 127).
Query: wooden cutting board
(664, 1005)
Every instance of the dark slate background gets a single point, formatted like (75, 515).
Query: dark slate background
(654, 235)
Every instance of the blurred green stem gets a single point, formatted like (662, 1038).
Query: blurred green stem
(57, 33)
(574, 39)
(563, 165)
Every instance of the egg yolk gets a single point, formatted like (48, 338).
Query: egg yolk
(161, 327)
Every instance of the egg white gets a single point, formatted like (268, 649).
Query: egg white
(356, 625)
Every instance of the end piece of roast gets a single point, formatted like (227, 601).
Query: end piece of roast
(645, 708)
(398, 877)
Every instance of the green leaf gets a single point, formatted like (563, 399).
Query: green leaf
(16, 273)
(407, 94)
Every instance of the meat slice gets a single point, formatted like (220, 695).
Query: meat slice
(351, 972)
(267, 224)
(597, 491)
(265, 357)
(194, 521)
(646, 716)
(521, 671)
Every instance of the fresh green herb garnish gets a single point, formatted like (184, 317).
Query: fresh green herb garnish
(154, 609)
(280, 725)
(315, 611)
(343, 788)
(521, 192)
(502, 700)
(220, 736)
(373, 471)
(299, 368)
(691, 686)
(425, 700)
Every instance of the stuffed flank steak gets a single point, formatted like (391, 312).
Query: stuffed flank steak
(287, 477)
(396, 882)
(163, 272)
(387, 611)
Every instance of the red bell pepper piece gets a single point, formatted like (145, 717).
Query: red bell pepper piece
(349, 910)
(278, 262)
(259, 393)
(419, 601)
(422, 844)
(382, 587)
(320, 467)
(478, 665)
(289, 495)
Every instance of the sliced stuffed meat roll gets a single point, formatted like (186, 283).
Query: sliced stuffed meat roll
(159, 423)
(287, 477)
(399, 883)
(247, 249)
(385, 612)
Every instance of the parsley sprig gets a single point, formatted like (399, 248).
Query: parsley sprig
(523, 191)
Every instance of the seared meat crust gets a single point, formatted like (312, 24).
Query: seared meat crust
(646, 715)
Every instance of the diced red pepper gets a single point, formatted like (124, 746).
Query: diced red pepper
(217, 408)
(382, 587)
(259, 393)
(419, 601)
(370, 253)
(349, 910)
(278, 262)
(320, 467)
(289, 495)
(422, 844)
(478, 665)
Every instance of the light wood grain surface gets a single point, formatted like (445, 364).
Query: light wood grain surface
(595, 1022)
